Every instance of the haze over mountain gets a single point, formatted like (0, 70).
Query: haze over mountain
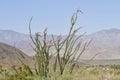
(105, 43)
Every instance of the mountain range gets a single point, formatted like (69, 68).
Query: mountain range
(105, 43)
(16, 39)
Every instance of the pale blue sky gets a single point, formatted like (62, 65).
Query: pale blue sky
(56, 14)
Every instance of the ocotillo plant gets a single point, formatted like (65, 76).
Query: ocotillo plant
(70, 48)
(42, 48)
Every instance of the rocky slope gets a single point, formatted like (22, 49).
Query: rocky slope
(9, 55)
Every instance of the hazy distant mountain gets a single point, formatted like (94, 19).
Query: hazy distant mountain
(20, 40)
(13, 38)
(8, 55)
(105, 43)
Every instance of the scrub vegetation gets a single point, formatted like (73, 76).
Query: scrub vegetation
(58, 59)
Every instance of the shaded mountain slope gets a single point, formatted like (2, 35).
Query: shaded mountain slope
(9, 55)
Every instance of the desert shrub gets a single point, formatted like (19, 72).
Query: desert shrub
(116, 67)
